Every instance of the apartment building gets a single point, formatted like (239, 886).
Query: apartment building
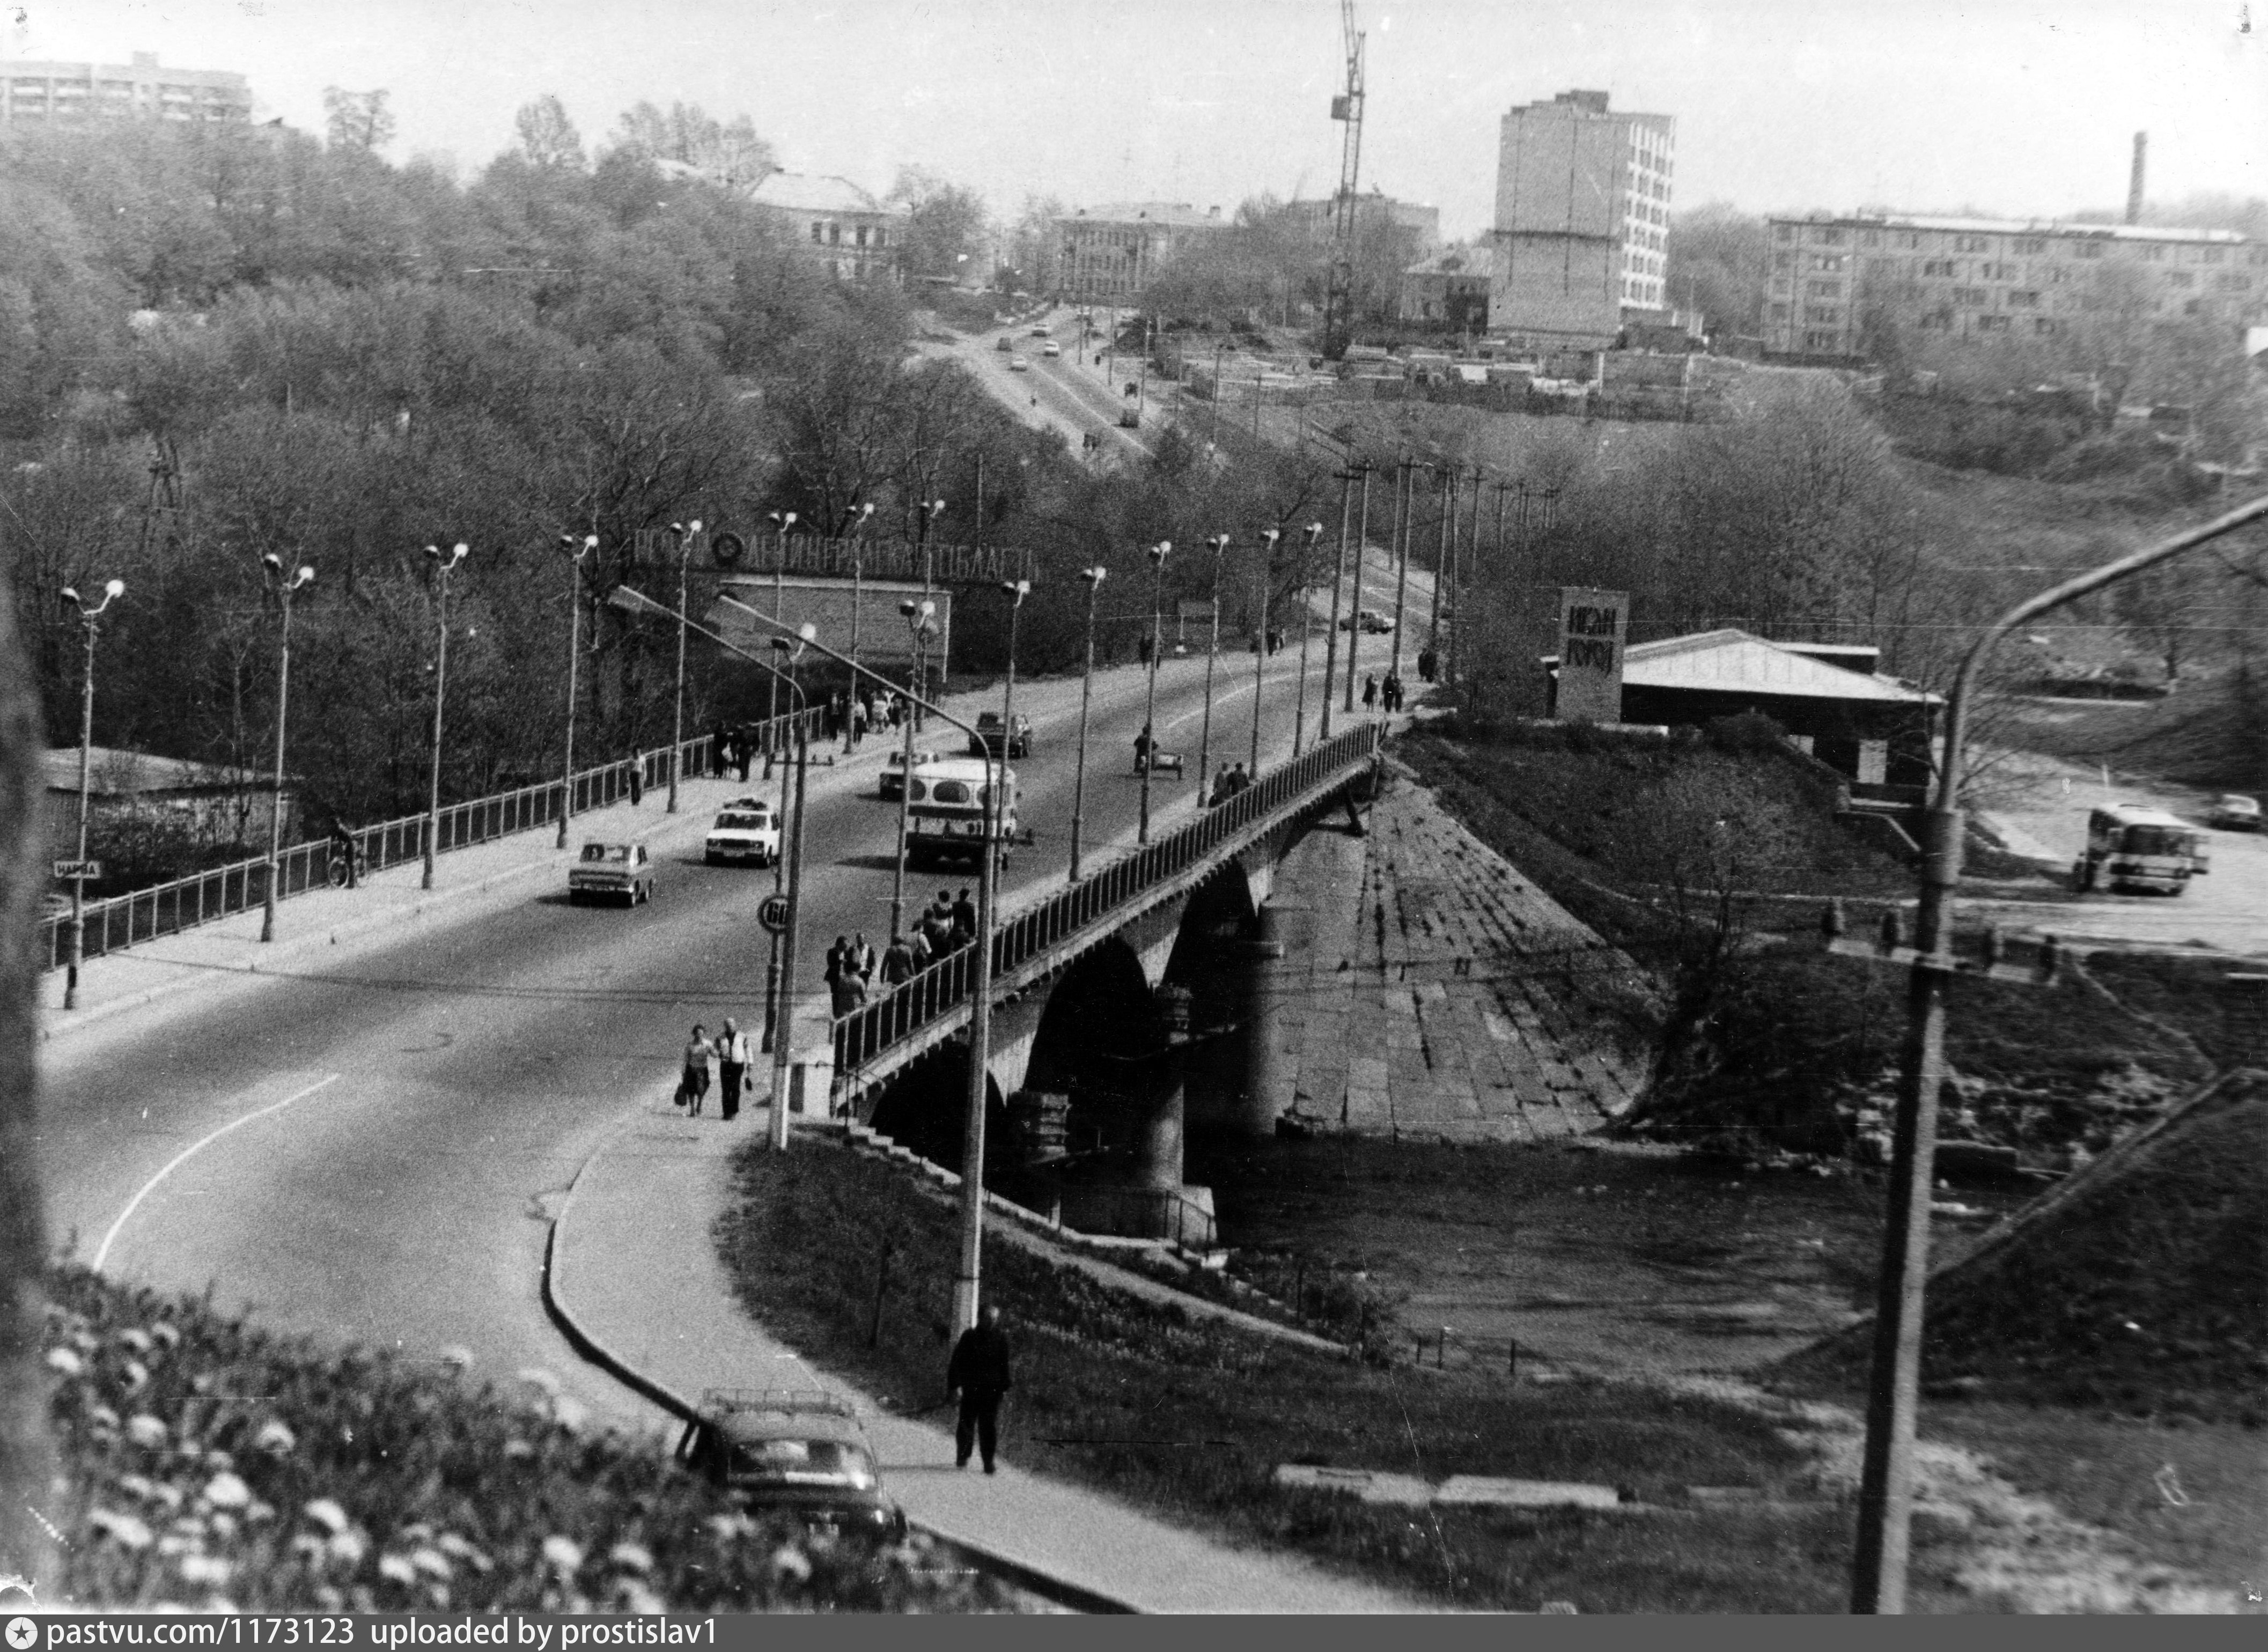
(1582, 214)
(53, 93)
(1833, 280)
(833, 224)
(1111, 253)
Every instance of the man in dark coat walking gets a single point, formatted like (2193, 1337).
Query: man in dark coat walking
(979, 1374)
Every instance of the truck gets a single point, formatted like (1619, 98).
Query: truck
(946, 803)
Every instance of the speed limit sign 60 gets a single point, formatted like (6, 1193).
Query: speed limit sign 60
(773, 913)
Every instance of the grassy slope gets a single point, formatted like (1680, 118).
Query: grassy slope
(1189, 1420)
(469, 1496)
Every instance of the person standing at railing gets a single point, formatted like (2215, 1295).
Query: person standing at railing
(897, 963)
(637, 777)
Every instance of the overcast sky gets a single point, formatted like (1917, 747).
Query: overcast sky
(2005, 106)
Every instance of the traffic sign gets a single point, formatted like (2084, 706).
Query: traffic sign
(78, 869)
(773, 913)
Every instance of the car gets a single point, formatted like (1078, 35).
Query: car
(1372, 622)
(1007, 342)
(798, 1452)
(1050, 349)
(991, 733)
(1039, 329)
(1019, 365)
(893, 772)
(745, 830)
(612, 871)
(2236, 812)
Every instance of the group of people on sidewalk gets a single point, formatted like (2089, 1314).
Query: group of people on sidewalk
(1227, 783)
(1390, 694)
(946, 924)
(730, 1054)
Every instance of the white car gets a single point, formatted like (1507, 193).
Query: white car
(1019, 365)
(745, 830)
(2236, 812)
(1050, 349)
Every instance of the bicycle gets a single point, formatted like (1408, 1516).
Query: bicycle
(347, 865)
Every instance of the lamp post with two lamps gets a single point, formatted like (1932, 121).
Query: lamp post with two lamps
(444, 567)
(1267, 537)
(89, 619)
(1159, 552)
(1220, 544)
(929, 512)
(685, 534)
(856, 518)
(577, 550)
(921, 620)
(286, 589)
(1307, 625)
(784, 524)
(1015, 591)
(1093, 576)
(780, 982)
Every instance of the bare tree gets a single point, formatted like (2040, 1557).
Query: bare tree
(357, 121)
(548, 138)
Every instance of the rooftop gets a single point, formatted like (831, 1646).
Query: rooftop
(1174, 214)
(1456, 261)
(2010, 226)
(1732, 661)
(816, 192)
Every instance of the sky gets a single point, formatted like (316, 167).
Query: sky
(2002, 106)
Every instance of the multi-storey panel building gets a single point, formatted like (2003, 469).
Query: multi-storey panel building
(1835, 280)
(833, 224)
(45, 93)
(1582, 214)
(1111, 253)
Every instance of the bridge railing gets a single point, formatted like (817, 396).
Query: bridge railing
(936, 991)
(143, 915)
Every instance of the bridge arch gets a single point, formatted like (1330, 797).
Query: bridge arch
(925, 1107)
(1099, 1044)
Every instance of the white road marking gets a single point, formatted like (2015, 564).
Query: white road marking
(190, 1152)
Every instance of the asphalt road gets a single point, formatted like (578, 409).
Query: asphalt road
(375, 1148)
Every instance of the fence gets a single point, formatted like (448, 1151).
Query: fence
(146, 914)
(865, 1032)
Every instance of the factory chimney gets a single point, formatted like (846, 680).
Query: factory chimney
(2134, 184)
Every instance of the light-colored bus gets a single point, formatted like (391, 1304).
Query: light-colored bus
(2130, 845)
(944, 810)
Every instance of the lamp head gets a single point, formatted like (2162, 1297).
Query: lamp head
(807, 631)
(1271, 535)
(273, 563)
(305, 577)
(1315, 531)
(590, 541)
(113, 588)
(694, 527)
(1094, 576)
(678, 528)
(936, 507)
(788, 521)
(1016, 589)
(781, 643)
(70, 594)
(567, 539)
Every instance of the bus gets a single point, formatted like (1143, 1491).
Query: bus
(2130, 845)
(945, 810)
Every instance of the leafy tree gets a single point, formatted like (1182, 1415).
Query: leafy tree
(944, 222)
(729, 153)
(356, 121)
(1718, 260)
(548, 138)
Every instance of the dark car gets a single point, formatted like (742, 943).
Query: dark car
(991, 733)
(799, 1452)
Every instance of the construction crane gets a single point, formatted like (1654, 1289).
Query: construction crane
(1338, 301)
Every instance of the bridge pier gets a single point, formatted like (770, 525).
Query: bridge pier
(1267, 1078)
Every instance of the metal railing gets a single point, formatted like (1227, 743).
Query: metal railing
(1094, 902)
(143, 915)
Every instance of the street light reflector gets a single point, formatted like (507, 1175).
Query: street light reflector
(70, 594)
(1094, 576)
(806, 630)
(590, 541)
(678, 528)
(306, 573)
(273, 563)
(695, 526)
(1315, 531)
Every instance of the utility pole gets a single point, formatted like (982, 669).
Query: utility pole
(1405, 475)
(1267, 537)
(1354, 595)
(1338, 578)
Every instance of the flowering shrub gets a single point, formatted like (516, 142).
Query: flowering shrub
(212, 1465)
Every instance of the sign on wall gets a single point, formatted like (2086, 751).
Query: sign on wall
(883, 637)
(1592, 626)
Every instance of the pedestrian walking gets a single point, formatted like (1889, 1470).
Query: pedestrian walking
(923, 954)
(964, 915)
(1142, 746)
(693, 1081)
(637, 777)
(862, 959)
(1370, 691)
(978, 1375)
(857, 723)
(1239, 780)
(732, 1056)
(1392, 692)
(1427, 661)
(1219, 788)
(719, 743)
(744, 744)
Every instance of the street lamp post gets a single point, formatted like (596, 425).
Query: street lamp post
(857, 587)
(285, 589)
(1405, 478)
(779, 602)
(921, 620)
(1220, 544)
(1338, 578)
(1444, 547)
(969, 1280)
(90, 620)
(1015, 591)
(1306, 619)
(930, 513)
(1159, 552)
(443, 566)
(1267, 537)
(685, 534)
(577, 550)
(1886, 1475)
(1354, 591)
(1093, 576)
(628, 601)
